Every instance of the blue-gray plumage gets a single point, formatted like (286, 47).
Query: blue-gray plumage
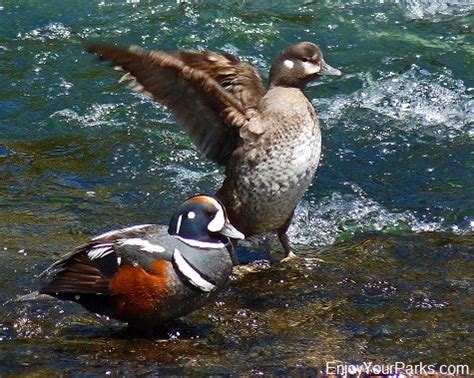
(146, 275)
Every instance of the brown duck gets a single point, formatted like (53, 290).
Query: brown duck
(269, 141)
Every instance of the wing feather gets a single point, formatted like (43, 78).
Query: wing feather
(79, 275)
(237, 77)
(208, 103)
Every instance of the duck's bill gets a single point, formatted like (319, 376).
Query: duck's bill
(326, 69)
(231, 232)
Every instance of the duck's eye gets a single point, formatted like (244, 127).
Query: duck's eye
(304, 59)
(191, 215)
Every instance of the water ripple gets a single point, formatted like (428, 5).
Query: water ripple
(416, 9)
(53, 30)
(433, 103)
(340, 216)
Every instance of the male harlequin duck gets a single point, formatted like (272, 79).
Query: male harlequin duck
(145, 276)
(269, 141)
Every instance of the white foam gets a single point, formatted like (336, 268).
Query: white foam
(323, 222)
(53, 30)
(430, 103)
(193, 180)
(96, 115)
(427, 9)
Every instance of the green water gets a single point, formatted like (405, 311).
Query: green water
(390, 211)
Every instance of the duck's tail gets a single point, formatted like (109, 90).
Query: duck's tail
(34, 296)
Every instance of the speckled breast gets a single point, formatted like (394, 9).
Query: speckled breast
(269, 176)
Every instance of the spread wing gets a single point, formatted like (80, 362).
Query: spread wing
(237, 77)
(210, 103)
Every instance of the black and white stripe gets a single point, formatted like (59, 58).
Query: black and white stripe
(98, 251)
(201, 244)
(143, 244)
(193, 276)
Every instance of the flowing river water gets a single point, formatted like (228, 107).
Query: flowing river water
(390, 212)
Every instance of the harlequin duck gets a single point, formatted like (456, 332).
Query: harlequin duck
(146, 276)
(269, 141)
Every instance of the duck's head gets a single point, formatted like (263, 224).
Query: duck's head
(203, 218)
(297, 65)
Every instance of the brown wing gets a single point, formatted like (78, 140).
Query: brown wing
(210, 114)
(92, 277)
(86, 270)
(239, 78)
(79, 275)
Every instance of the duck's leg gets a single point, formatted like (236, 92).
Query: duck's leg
(233, 253)
(283, 237)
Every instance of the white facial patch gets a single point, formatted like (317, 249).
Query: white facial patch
(217, 222)
(311, 68)
(191, 274)
(178, 223)
(289, 64)
(191, 215)
(144, 245)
